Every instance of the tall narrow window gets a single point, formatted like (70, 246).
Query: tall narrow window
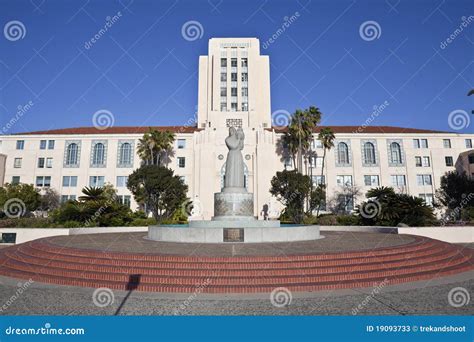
(125, 154)
(395, 153)
(342, 153)
(98, 154)
(72, 154)
(369, 153)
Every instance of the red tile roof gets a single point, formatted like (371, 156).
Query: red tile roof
(115, 130)
(188, 129)
(368, 129)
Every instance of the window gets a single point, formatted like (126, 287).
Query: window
(124, 200)
(65, 198)
(233, 91)
(125, 154)
(233, 106)
(96, 181)
(223, 77)
(233, 62)
(371, 180)
(17, 163)
(422, 180)
(470, 158)
(245, 77)
(426, 161)
(122, 181)
(70, 181)
(43, 144)
(72, 153)
(244, 62)
(43, 181)
(468, 143)
(50, 144)
(428, 198)
(49, 163)
(245, 106)
(345, 202)
(20, 144)
(344, 180)
(181, 162)
(40, 163)
(447, 143)
(223, 62)
(420, 143)
(223, 91)
(369, 153)
(449, 161)
(245, 91)
(223, 106)
(317, 143)
(319, 180)
(233, 77)
(398, 180)
(181, 143)
(98, 154)
(288, 162)
(418, 161)
(395, 153)
(16, 180)
(342, 153)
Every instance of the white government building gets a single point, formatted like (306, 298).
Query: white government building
(234, 90)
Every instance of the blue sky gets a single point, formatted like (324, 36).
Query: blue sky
(145, 72)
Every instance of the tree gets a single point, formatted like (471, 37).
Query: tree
(17, 200)
(163, 192)
(291, 188)
(92, 193)
(154, 147)
(298, 137)
(385, 207)
(49, 200)
(326, 136)
(456, 194)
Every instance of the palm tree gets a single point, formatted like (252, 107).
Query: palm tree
(155, 145)
(326, 136)
(92, 193)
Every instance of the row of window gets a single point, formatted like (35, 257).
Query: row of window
(71, 181)
(123, 199)
(423, 143)
(374, 180)
(49, 144)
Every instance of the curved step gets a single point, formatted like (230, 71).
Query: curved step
(328, 276)
(205, 271)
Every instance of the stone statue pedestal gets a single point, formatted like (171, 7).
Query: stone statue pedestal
(233, 206)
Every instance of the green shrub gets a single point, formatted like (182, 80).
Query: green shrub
(72, 224)
(142, 222)
(327, 220)
(347, 220)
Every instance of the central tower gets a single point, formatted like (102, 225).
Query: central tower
(234, 85)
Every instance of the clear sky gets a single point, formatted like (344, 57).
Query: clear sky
(144, 70)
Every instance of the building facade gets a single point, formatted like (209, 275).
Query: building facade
(234, 90)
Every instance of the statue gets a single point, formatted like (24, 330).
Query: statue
(234, 168)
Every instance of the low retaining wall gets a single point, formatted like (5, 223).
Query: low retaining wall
(448, 234)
